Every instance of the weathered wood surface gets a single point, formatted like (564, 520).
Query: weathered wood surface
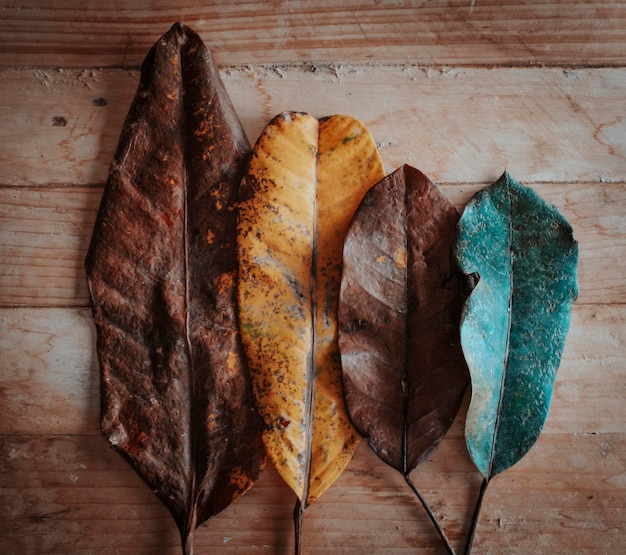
(71, 494)
(45, 233)
(51, 381)
(95, 34)
(534, 87)
(455, 124)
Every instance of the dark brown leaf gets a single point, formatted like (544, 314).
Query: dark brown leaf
(162, 271)
(399, 308)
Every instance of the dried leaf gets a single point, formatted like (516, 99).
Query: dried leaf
(162, 271)
(305, 179)
(399, 309)
(515, 322)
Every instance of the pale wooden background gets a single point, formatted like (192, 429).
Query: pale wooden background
(538, 88)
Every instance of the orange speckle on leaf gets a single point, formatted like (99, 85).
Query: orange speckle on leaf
(207, 153)
(239, 479)
(211, 422)
(400, 257)
(210, 237)
(175, 61)
(232, 363)
(224, 281)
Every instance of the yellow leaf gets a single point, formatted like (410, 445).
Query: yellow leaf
(305, 179)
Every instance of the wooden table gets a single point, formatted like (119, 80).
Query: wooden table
(461, 93)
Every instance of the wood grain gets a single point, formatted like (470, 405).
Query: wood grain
(44, 236)
(453, 124)
(460, 92)
(460, 32)
(53, 351)
(45, 233)
(73, 494)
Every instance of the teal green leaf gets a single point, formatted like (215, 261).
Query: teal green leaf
(514, 323)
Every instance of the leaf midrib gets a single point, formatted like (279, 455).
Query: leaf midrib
(191, 516)
(405, 389)
(310, 378)
(501, 392)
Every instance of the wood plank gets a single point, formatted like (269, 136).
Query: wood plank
(45, 233)
(467, 124)
(72, 493)
(559, 508)
(460, 92)
(44, 236)
(50, 378)
(460, 32)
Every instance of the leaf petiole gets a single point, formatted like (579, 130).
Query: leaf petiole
(479, 503)
(430, 514)
(298, 519)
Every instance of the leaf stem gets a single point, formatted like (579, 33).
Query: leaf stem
(430, 515)
(187, 539)
(479, 503)
(298, 518)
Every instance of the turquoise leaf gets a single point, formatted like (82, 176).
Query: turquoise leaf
(514, 323)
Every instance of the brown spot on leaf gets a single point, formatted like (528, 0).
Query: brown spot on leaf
(282, 423)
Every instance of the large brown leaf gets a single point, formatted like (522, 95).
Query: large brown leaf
(399, 308)
(162, 271)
